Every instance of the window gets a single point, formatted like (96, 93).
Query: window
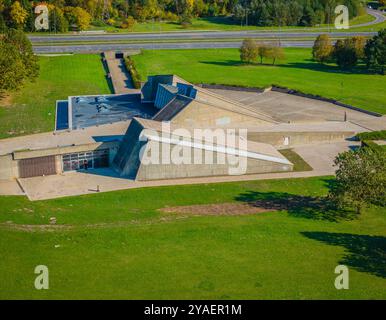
(95, 159)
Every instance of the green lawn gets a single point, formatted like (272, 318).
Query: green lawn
(143, 254)
(298, 71)
(33, 108)
(299, 163)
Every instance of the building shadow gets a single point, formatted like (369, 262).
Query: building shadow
(309, 207)
(313, 66)
(225, 63)
(308, 64)
(105, 172)
(363, 252)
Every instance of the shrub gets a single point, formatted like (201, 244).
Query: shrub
(128, 23)
(374, 135)
(249, 51)
(322, 48)
(135, 76)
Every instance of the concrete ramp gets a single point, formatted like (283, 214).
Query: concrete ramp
(120, 77)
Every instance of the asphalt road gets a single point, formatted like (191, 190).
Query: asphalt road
(73, 40)
(202, 35)
(155, 46)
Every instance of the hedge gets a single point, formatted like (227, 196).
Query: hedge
(135, 76)
(374, 135)
(373, 146)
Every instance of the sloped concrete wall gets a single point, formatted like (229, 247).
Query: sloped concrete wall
(162, 170)
(279, 139)
(200, 115)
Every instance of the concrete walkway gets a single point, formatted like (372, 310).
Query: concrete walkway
(10, 188)
(320, 157)
(120, 77)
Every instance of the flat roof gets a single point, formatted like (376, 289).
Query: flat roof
(47, 140)
(88, 111)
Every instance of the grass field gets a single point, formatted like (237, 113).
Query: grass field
(298, 71)
(120, 246)
(32, 109)
(298, 161)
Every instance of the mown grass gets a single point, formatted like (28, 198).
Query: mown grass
(298, 71)
(298, 161)
(285, 254)
(32, 109)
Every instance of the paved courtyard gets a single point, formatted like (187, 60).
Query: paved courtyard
(10, 188)
(290, 108)
(320, 157)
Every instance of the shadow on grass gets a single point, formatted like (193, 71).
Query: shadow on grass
(318, 208)
(361, 69)
(227, 63)
(235, 63)
(223, 20)
(364, 253)
(309, 64)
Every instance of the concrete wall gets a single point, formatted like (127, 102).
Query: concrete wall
(278, 139)
(200, 115)
(27, 154)
(157, 171)
(8, 167)
(9, 163)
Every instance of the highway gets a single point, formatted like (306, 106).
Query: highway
(202, 35)
(95, 48)
(182, 40)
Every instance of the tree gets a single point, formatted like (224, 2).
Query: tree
(128, 23)
(18, 15)
(78, 16)
(58, 23)
(263, 52)
(360, 178)
(274, 53)
(21, 43)
(375, 52)
(359, 42)
(3, 25)
(248, 51)
(17, 61)
(11, 68)
(322, 49)
(345, 54)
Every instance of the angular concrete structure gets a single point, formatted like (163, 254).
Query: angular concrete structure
(121, 131)
(177, 154)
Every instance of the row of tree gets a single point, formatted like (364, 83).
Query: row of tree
(251, 51)
(292, 12)
(350, 51)
(20, 15)
(79, 13)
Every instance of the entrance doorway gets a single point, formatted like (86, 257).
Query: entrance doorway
(77, 161)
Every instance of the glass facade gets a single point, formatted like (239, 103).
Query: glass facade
(92, 159)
